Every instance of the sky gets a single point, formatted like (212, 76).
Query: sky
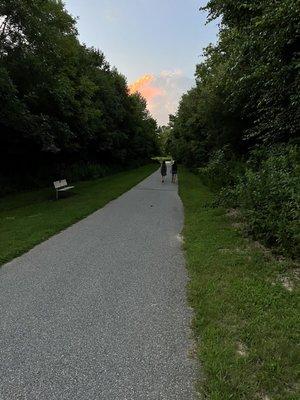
(156, 44)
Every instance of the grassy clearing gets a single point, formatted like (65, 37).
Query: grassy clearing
(246, 306)
(28, 218)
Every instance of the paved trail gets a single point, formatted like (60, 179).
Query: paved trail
(99, 311)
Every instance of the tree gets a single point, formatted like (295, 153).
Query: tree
(247, 89)
(59, 100)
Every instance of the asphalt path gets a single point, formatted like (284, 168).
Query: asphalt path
(99, 310)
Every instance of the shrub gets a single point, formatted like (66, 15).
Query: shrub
(222, 169)
(46, 174)
(82, 172)
(269, 197)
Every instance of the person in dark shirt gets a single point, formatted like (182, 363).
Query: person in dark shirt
(163, 171)
(174, 171)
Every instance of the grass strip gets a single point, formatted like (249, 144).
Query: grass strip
(246, 306)
(27, 219)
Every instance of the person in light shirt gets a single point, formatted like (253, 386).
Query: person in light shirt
(174, 171)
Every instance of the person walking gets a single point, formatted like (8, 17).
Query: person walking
(163, 171)
(174, 171)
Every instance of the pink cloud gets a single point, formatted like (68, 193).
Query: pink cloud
(146, 88)
(162, 92)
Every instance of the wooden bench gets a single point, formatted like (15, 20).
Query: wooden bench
(61, 186)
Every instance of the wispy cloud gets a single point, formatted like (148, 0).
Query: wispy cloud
(162, 92)
(111, 15)
(110, 11)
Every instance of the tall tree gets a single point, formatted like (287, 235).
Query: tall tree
(60, 100)
(247, 89)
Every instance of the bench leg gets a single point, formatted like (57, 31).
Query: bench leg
(56, 194)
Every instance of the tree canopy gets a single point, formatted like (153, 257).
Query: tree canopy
(60, 100)
(247, 89)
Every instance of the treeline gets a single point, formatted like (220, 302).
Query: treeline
(62, 107)
(239, 126)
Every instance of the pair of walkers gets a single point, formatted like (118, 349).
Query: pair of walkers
(163, 171)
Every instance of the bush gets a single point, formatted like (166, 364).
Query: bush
(222, 169)
(45, 175)
(269, 197)
(83, 172)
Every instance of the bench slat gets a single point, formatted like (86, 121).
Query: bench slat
(66, 188)
(60, 184)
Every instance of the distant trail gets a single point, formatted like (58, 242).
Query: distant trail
(99, 311)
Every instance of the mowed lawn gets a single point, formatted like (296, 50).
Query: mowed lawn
(246, 306)
(28, 218)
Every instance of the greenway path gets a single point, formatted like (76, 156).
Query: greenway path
(99, 311)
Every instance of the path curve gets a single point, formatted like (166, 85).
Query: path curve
(99, 311)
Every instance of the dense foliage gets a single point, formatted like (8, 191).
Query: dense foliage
(60, 102)
(268, 194)
(247, 96)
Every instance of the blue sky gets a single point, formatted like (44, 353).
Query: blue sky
(161, 38)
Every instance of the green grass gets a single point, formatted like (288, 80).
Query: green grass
(28, 218)
(246, 322)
